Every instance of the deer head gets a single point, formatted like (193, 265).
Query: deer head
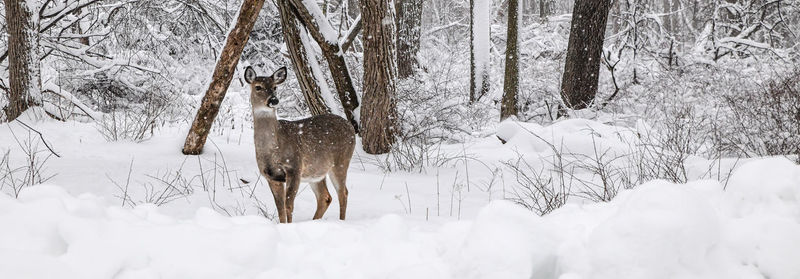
(262, 89)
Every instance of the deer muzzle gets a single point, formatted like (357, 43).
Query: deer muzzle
(273, 101)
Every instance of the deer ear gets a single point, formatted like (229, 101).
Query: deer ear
(249, 74)
(279, 76)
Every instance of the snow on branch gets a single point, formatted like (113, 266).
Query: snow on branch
(320, 28)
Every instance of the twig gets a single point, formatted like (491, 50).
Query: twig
(40, 136)
(408, 196)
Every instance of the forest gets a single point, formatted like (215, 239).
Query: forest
(460, 138)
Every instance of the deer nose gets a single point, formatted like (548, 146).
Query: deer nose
(273, 101)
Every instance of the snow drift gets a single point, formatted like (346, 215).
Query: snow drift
(751, 229)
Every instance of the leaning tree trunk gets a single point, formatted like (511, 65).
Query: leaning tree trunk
(579, 83)
(221, 79)
(379, 111)
(511, 82)
(300, 60)
(409, 19)
(314, 21)
(23, 57)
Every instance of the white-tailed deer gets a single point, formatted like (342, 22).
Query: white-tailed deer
(305, 150)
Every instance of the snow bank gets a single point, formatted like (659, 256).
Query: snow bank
(657, 230)
(578, 136)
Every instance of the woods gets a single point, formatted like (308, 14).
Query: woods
(607, 44)
(449, 138)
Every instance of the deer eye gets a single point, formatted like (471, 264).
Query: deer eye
(259, 88)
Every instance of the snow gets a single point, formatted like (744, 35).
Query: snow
(328, 32)
(74, 225)
(325, 92)
(746, 42)
(482, 11)
(658, 230)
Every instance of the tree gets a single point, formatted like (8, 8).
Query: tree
(582, 68)
(23, 57)
(323, 33)
(544, 10)
(511, 82)
(379, 111)
(222, 76)
(409, 20)
(309, 84)
(479, 21)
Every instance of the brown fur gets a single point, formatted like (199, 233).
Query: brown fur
(306, 150)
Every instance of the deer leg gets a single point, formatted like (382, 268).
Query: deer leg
(280, 199)
(292, 184)
(323, 197)
(338, 177)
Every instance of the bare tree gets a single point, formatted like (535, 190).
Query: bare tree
(23, 61)
(579, 83)
(511, 82)
(309, 84)
(409, 21)
(379, 112)
(222, 76)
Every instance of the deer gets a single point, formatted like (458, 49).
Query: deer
(305, 150)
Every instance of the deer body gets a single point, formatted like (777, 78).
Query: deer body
(306, 150)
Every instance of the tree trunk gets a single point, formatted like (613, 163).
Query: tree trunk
(616, 18)
(223, 74)
(352, 8)
(579, 83)
(335, 57)
(479, 25)
(409, 20)
(309, 85)
(543, 13)
(511, 82)
(668, 15)
(471, 51)
(677, 27)
(23, 58)
(379, 112)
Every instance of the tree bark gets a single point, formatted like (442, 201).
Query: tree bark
(409, 20)
(309, 85)
(352, 8)
(471, 51)
(222, 76)
(543, 11)
(668, 15)
(616, 11)
(479, 75)
(511, 82)
(335, 57)
(352, 34)
(579, 83)
(379, 112)
(23, 58)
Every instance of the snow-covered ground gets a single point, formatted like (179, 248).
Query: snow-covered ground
(444, 222)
